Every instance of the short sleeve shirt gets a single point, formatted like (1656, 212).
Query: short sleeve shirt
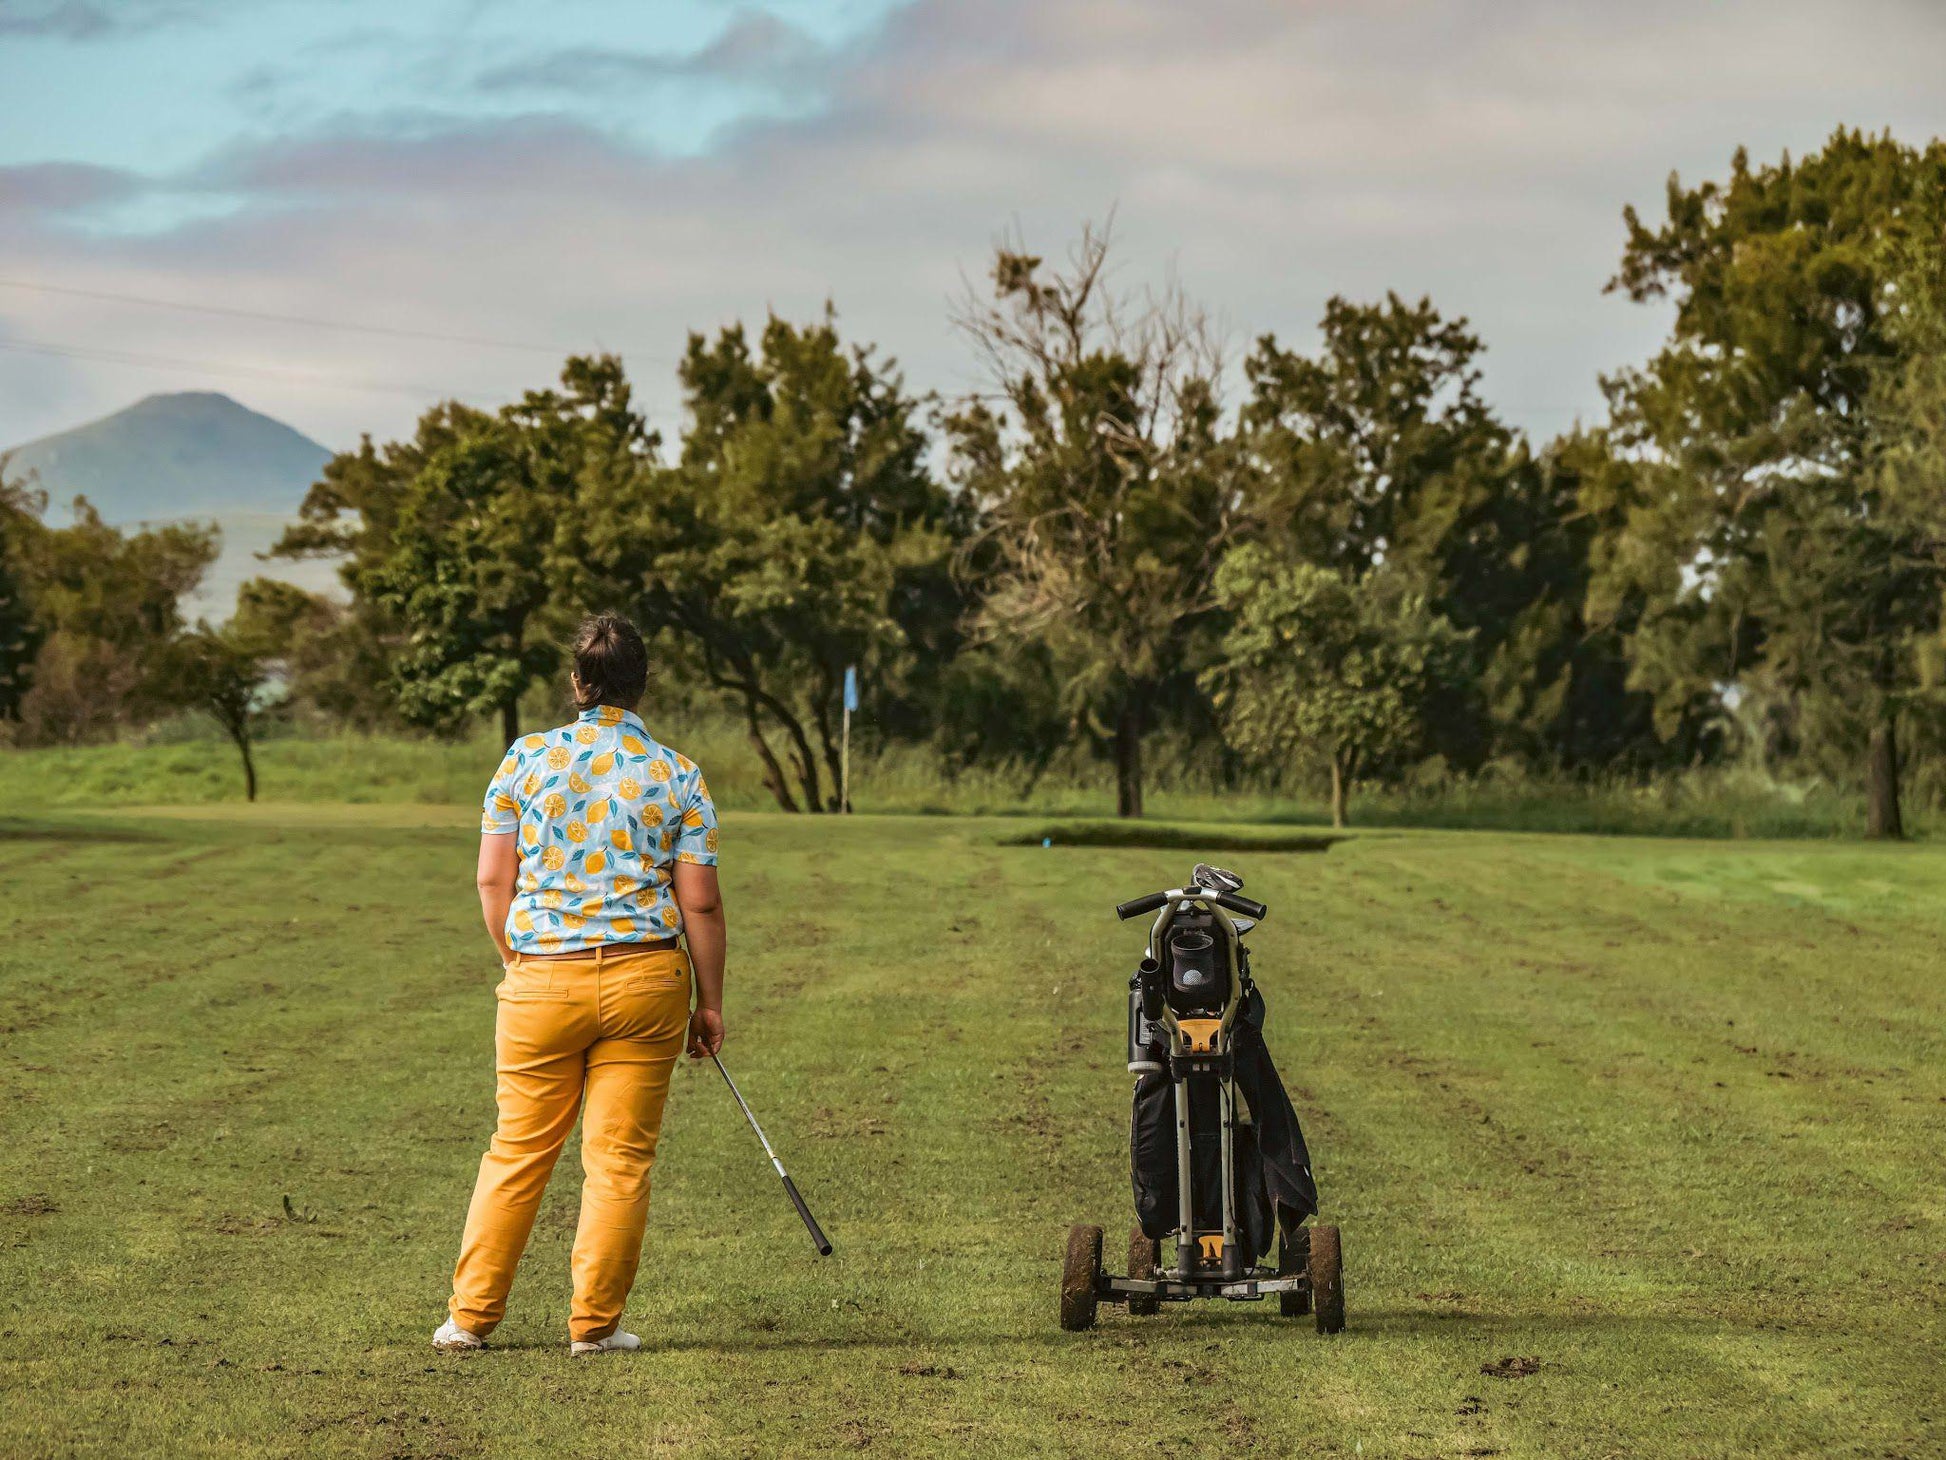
(603, 812)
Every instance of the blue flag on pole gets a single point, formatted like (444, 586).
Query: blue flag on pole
(851, 687)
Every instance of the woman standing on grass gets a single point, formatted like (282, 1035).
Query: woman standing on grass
(597, 853)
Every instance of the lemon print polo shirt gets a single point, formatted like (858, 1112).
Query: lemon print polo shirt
(603, 812)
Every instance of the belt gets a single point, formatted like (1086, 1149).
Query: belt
(611, 950)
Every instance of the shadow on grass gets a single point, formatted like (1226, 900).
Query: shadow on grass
(12, 829)
(1197, 1321)
(1170, 838)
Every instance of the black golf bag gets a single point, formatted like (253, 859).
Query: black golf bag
(1270, 1167)
(1196, 977)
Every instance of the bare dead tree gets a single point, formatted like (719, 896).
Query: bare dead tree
(1106, 485)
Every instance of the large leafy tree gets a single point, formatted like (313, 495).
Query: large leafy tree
(1379, 450)
(1379, 447)
(1757, 537)
(1107, 489)
(1556, 685)
(462, 546)
(104, 611)
(1906, 408)
(20, 633)
(798, 532)
(1321, 663)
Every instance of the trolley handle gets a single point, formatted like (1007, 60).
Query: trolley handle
(1235, 903)
(1241, 905)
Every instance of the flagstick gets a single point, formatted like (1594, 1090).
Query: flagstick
(844, 765)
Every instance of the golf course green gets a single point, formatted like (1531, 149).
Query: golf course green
(1635, 1146)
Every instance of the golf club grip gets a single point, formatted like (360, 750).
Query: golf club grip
(1241, 905)
(817, 1232)
(1140, 905)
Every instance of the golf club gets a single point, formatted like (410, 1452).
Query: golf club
(790, 1187)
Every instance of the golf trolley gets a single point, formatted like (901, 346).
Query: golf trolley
(1213, 1178)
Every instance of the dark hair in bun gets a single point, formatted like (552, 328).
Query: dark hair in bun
(611, 665)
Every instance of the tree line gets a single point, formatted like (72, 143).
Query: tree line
(1335, 562)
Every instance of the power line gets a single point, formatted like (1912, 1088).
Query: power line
(119, 357)
(171, 362)
(310, 321)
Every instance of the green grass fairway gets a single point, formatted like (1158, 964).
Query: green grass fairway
(1664, 1116)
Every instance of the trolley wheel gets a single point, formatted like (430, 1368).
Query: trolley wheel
(1144, 1257)
(1079, 1275)
(1327, 1279)
(1293, 1258)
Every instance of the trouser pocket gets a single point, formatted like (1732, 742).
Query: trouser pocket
(647, 997)
(529, 983)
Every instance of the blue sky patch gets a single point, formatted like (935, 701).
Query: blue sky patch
(160, 88)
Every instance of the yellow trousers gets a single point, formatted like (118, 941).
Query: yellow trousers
(604, 1028)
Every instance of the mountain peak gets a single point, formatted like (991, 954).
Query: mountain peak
(164, 400)
(178, 454)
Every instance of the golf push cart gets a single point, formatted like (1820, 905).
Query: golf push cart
(1228, 1187)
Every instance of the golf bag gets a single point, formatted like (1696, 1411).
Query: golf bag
(1270, 1167)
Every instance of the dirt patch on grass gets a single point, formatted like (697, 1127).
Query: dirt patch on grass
(140, 1139)
(854, 1435)
(34, 1204)
(1517, 1367)
(831, 1125)
(233, 1224)
(397, 1433)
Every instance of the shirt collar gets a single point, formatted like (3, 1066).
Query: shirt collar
(612, 715)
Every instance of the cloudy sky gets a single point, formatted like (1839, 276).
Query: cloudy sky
(373, 205)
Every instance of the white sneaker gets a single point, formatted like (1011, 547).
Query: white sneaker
(450, 1338)
(616, 1343)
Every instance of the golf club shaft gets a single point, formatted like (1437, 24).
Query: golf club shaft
(790, 1187)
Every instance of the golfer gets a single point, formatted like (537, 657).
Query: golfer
(597, 862)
